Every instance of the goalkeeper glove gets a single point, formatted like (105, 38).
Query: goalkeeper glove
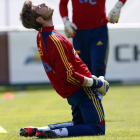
(69, 27)
(115, 13)
(101, 85)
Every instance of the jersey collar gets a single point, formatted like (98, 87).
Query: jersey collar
(45, 29)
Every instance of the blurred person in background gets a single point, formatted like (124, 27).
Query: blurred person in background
(89, 31)
(69, 76)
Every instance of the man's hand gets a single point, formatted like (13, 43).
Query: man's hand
(101, 85)
(69, 27)
(114, 14)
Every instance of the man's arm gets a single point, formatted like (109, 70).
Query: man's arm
(69, 26)
(64, 69)
(63, 8)
(114, 14)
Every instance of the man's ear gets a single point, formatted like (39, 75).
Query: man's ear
(39, 20)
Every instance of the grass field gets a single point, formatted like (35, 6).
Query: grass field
(43, 107)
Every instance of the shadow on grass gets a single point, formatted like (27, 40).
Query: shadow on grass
(73, 137)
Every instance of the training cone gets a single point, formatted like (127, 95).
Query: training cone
(8, 95)
(2, 130)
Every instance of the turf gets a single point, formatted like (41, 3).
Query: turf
(43, 107)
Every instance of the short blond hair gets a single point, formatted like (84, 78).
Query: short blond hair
(28, 16)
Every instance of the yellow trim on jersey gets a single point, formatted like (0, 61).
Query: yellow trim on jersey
(61, 51)
(95, 101)
(69, 72)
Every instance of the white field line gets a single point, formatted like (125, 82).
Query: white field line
(2, 130)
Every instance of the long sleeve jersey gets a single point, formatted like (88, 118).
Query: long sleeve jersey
(87, 14)
(62, 64)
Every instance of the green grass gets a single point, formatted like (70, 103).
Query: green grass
(43, 107)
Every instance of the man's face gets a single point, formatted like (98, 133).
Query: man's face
(42, 9)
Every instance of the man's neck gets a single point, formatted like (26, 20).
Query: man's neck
(48, 23)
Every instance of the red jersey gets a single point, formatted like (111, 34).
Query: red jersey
(62, 64)
(87, 14)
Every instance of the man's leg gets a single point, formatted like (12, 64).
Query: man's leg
(31, 131)
(88, 116)
(92, 113)
(99, 48)
(60, 125)
(60, 129)
(82, 46)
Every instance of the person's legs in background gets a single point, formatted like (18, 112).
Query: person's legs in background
(82, 46)
(99, 48)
